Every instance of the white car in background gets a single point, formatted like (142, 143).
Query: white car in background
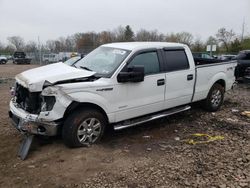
(3, 59)
(50, 58)
(227, 57)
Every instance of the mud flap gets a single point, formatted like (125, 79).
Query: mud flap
(25, 146)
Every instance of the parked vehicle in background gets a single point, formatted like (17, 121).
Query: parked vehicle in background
(72, 60)
(64, 56)
(50, 58)
(201, 58)
(202, 55)
(20, 58)
(56, 57)
(247, 74)
(227, 57)
(243, 60)
(9, 57)
(3, 59)
(118, 84)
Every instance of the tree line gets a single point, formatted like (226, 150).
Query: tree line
(226, 41)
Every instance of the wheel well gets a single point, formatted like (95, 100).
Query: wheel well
(222, 83)
(76, 105)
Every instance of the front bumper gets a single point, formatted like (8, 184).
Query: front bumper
(30, 123)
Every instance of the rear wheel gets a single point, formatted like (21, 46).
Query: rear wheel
(215, 98)
(83, 127)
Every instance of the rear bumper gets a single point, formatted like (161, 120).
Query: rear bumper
(30, 123)
(22, 61)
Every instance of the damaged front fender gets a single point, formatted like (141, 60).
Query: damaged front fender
(62, 102)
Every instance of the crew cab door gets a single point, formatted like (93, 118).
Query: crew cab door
(141, 98)
(180, 77)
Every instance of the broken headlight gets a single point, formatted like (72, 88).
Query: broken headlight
(50, 91)
(48, 103)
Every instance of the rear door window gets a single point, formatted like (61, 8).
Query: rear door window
(176, 60)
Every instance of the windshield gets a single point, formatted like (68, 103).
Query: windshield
(103, 60)
(72, 60)
(206, 56)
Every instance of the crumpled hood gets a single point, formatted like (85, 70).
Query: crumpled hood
(34, 79)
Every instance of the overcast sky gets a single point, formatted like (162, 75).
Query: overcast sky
(50, 19)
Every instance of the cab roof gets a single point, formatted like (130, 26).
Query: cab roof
(142, 45)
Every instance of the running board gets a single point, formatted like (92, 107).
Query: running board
(144, 119)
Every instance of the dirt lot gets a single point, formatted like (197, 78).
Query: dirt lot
(151, 155)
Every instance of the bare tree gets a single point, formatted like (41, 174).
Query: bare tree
(85, 42)
(198, 45)
(211, 41)
(70, 44)
(186, 38)
(17, 42)
(50, 45)
(172, 37)
(106, 37)
(225, 37)
(58, 46)
(119, 34)
(31, 46)
(10, 49)
(144, 35)
(182, 37)
(1, 46)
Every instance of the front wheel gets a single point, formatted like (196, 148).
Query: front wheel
(215, 98)
(3, 62)
(83, 127)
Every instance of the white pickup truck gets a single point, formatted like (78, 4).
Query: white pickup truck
(118, 84)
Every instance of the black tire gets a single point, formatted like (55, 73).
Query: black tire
(3, 62)
(215, 98)
(81, 121)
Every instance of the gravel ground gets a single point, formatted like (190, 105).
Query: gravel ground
(156, 154)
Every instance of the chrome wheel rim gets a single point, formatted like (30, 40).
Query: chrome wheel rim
(89, 131)
(216, 98)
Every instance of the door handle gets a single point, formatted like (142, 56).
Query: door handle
(160, 82)
(190, 77)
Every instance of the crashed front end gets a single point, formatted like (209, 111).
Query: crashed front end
(39, 100)
(37, 112)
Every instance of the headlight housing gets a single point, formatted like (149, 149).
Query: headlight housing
(48, 103)
(50, 91)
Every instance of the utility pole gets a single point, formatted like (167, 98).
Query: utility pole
(40, 51)
(211, 50)
(243, 30)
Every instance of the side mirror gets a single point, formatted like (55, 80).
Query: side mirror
(132, 74)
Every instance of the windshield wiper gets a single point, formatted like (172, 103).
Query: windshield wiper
(86, 68)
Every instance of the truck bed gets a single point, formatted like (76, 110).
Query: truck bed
(203, 61)
(207, 74)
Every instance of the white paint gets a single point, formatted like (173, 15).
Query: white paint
(35, 78)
